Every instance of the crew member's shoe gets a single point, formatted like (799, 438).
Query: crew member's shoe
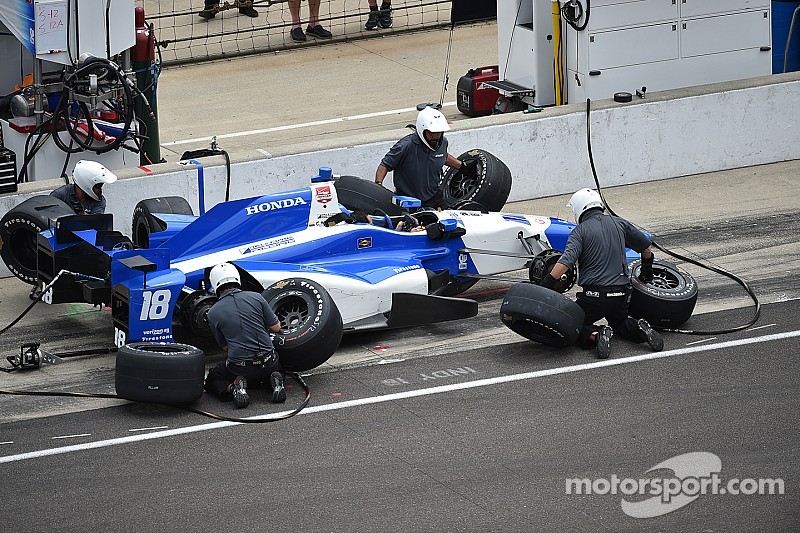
(604, 335)
(318, 31)
(372, 21)
(653, 337)
(385, 16)
(298, 36)
(248, 11)
(278, 390)
(240, 397)
(208, 14)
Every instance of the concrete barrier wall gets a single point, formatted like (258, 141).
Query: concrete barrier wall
(666, 135)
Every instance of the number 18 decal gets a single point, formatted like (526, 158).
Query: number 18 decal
(155, 305)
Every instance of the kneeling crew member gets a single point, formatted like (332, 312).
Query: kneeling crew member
(85, 194)
(598, 245)
(240, 321)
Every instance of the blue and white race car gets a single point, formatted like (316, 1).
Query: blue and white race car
(322, 274)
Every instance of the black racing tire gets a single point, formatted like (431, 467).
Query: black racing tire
(160, 372)
(311, 325)
(668, 300)
(490, 188)
(145, 222)
(19, 229)
(541, 315)
(359, 194)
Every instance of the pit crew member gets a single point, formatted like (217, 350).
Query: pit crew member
(598, 244)
(85, 193)
(416, 160)
(240, 322)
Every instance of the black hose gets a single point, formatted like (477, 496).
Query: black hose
(215, 416)
(676, 255)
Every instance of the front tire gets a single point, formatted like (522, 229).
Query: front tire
(541, 315)
(668, 300)
(311, 325)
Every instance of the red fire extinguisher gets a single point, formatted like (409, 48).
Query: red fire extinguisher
(144, 65)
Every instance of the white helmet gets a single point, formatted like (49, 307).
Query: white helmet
(223, 274)
(87, 174)
(429, 119)
(584, 200)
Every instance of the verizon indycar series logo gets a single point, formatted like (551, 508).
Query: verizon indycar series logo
(324, 194)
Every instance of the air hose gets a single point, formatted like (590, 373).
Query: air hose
(676, 255)
(260, 420)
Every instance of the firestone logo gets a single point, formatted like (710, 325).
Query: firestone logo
(275, 204)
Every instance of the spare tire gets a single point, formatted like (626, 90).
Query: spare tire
(365, 195)
(490, 188)
(668, 300)
(541, 315)
(145, 222)
(160, 372)
(311, 325)
(19, 229)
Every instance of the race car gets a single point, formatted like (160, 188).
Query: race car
(321, 274)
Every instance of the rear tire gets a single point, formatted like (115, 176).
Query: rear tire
(145, 222)
(311, 325)
(19, 229)
(541, 315)
(490, 188)
(160, 372)
(668, 300)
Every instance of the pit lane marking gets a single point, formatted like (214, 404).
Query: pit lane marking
(299, 126)
(762, 327)
(147, 429)
(71, 436)
(408, 394)
(7, 442)
(698, 342)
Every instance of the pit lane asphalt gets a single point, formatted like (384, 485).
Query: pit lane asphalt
(401, 447)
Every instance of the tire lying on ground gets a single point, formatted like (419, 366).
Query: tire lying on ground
(541, 315)
(490, 188)
(668, 300)
(19, 229)
(160, 372)
(311, 325)
(365, 195)
(145, 222)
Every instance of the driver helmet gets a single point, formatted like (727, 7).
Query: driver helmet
(429, 119)
(583, 200)
(90, 176)
(223, 274)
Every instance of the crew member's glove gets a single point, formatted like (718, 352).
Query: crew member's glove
(646, 272)
(549, 282)
(469, 167)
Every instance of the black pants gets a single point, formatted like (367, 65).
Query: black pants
(611, 304)
(257, 376)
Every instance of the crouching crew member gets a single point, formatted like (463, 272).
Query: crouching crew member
(85, 194)
(598, 245)
(240, 322)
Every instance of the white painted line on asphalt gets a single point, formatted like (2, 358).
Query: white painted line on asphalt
(699, 342)
(299, 126)
(71, 436)
(147, 429)
(407, 394)
(762, 327)
(7, 442)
